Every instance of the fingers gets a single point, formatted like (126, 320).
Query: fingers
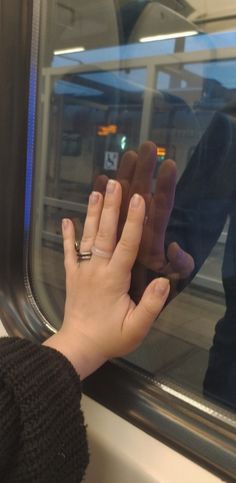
(145, 165)
(140, 320)
(124, 176)
(165, 185)
(127, 166)
(160, 207)
(135, 175)
(68, 232)
(181, 262)
(127, 248)
(105, 240)
(100, 183)
(92, 221)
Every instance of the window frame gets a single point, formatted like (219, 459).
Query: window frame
(18, 311)
(119, 386)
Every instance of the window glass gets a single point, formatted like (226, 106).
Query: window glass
(111, 75)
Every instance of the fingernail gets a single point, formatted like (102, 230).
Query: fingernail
(111, 186)
(65, 223)
(161, 286)
(135, 200)
(94, 197)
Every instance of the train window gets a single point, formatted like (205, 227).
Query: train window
(111, 75)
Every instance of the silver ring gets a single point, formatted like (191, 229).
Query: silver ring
(77, 246)
(100, 253)
(82, 256)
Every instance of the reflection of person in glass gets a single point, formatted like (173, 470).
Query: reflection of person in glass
(205, 197)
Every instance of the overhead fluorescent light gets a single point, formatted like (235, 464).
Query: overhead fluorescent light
(158, 22)
(175, 35)
(69, 51)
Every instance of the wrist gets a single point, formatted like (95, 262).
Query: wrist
(79, 350)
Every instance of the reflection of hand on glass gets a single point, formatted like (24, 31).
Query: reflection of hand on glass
(101, 320)
(204, 201)
(135, 174)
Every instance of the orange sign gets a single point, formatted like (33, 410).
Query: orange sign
(161, 151)
(106, 130)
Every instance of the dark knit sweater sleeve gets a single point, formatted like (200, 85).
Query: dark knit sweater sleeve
(42, 432)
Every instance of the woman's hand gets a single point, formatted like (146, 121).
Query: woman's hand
(101, 321)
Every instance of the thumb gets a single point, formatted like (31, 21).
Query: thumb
(149, 307)
(181, 261)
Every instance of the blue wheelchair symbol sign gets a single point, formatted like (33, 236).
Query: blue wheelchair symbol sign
(111, 160)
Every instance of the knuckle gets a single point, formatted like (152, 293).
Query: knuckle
(133, 216)
(86, 238)
(108, 203)
(135, 220)
(66, 250)
(128, 245)
(102, 236)
(149, 309)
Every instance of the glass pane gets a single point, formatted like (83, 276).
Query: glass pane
(148, 72)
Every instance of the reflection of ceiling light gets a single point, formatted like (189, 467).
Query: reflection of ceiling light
(176, 35)
(158, 22)
(69, 51)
